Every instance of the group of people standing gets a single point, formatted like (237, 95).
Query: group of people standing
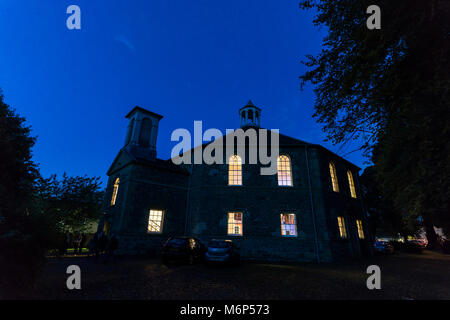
(102, 245)
(99, 245)
(76, 242)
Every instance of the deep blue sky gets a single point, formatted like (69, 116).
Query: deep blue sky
(186, 60)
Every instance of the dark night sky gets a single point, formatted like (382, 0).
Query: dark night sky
(186, 60)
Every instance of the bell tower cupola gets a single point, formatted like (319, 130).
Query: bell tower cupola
(142, 132)
(250, 115)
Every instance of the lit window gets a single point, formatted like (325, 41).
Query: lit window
(351, 184)
(155, 221)
(334, 180)
(284, 171)
(288, 225)
(235, 223)
(360, 229)
(342, 230)
(114, 193)
(235, 171)
(106, 227)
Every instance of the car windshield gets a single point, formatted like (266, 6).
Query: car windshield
(177, 242)
(219, 244)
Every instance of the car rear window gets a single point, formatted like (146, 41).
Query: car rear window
(219, 244)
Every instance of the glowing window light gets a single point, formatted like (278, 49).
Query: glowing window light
(235, 171)
(360, 229)
(284, 171)
(114, 193)
(334, 180)
(351, 184)
(235, 223)
(342, 229)
(288, 225)
(155, 221)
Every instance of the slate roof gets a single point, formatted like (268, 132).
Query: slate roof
(159, 163)
(287, 141)
(284, 141)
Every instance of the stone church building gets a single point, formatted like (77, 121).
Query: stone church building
(311, 210)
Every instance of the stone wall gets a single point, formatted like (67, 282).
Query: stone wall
(260, 199)
(145, 187)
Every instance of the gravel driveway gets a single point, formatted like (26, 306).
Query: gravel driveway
(403, 276)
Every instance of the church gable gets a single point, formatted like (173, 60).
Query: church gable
(121, 160)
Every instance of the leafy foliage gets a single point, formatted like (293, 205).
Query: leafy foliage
(17, 171)
(72, 203)
(21, 243)
(390, 87)
(383, 218)
(33, 210)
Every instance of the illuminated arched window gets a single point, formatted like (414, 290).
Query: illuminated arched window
(334, 180)
(284, 171)
(351, 184)
(114, 193)
(235, 171)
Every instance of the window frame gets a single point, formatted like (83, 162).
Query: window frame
(230, 171)
(291, 177)
(234, 224)
(351, 184)
(115, 191)
(106, 226)
(295, 224)
(163, 213)
(334, 177)
(360, 229)
(343, 227)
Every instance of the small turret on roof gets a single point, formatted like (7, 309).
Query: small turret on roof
(250, 115)
(144, 111)
(142, 132)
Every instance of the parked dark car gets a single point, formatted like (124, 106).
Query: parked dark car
(223, 251)
(414, 246)
(419, 242)
(183, 249)
(445, 243)
(383, 247)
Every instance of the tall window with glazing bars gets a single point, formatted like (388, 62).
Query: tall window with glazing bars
(235, 223)
(284, 171)
(155, 221)
(360, 229)
(334, 180)
(288, 225)
(114, 193)
(235, 171)
(351, 184)
(342, 228)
